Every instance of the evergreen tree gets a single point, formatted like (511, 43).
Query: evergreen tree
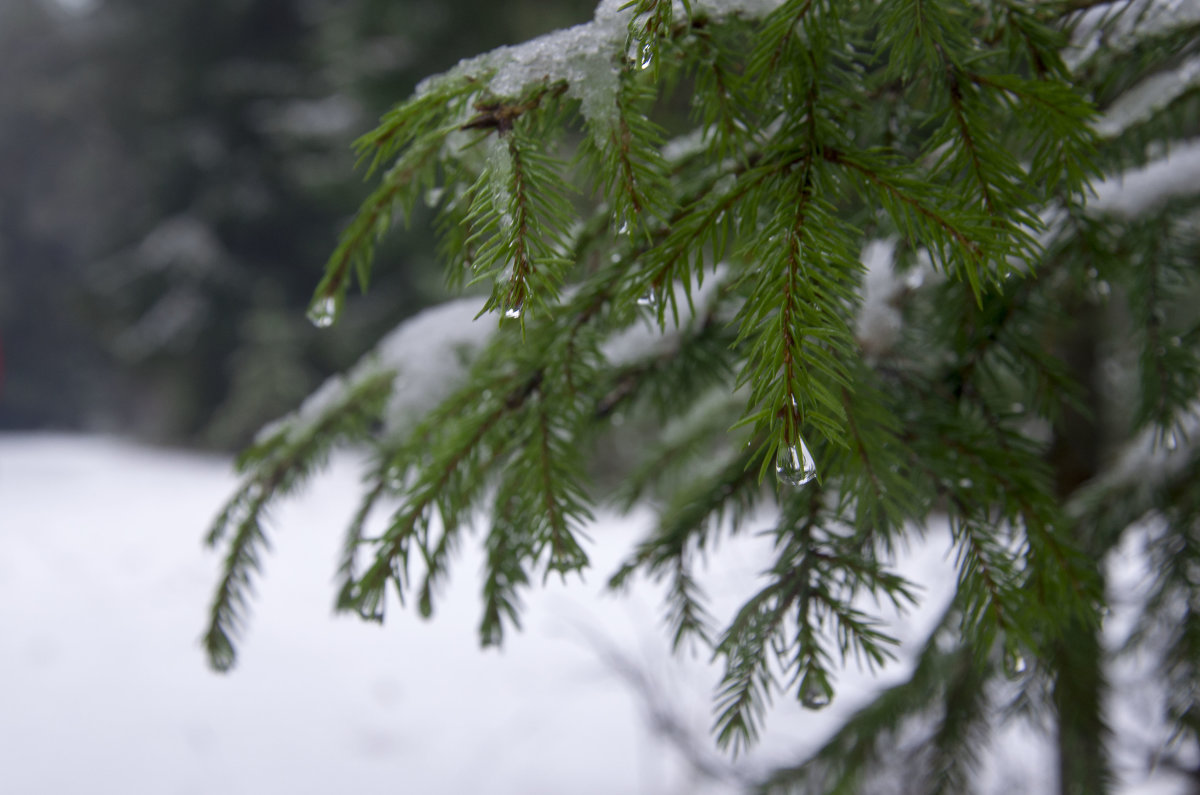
(903, 261)
(62, 174)
(198, 291)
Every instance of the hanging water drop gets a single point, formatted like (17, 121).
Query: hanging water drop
(814, 694)
(1015, 664)
(514, 309)
(794, 465)
(323, 312)
(647, 56)
(1172, 440)
(649, 298)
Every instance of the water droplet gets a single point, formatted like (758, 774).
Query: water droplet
(323, 312)
(1172, 440)
(649, 298)
(514, 309)
(1015, 664)
(647, 56)
(794, 465)
(814, 694)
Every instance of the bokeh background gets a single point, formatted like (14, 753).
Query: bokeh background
(173, 175)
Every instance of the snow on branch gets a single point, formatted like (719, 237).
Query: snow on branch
(428, 353)
(879, 320)
(1149, 97)
(587, 57)
(1155, 455)
(1142, 190)
(1110, 28)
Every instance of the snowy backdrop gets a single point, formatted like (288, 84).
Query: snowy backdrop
(103, 589)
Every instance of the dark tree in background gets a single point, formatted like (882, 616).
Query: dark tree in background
(59, 172)
(173, 174)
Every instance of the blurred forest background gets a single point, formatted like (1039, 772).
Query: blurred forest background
(173, 176)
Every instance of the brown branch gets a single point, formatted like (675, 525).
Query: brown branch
(960, 118)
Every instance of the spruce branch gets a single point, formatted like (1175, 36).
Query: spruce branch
(347, 565)
(882, 730)
(519, 216)
(778, 41)
(955, 237)
(411, 523)
(277, 467)
(400, 127)
(692, 517)
(398, 191)
(958, 131)
(507, 547)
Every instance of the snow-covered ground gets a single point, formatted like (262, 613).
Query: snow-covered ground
(103, 686)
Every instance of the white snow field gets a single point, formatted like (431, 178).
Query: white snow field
(104, 586)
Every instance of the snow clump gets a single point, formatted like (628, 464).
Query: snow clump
(588, 57)
(429, 354)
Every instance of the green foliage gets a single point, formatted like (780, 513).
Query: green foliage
(954, 130)
(277, 465)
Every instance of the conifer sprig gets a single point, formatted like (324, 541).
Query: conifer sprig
(709, 291)
(276, 467)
